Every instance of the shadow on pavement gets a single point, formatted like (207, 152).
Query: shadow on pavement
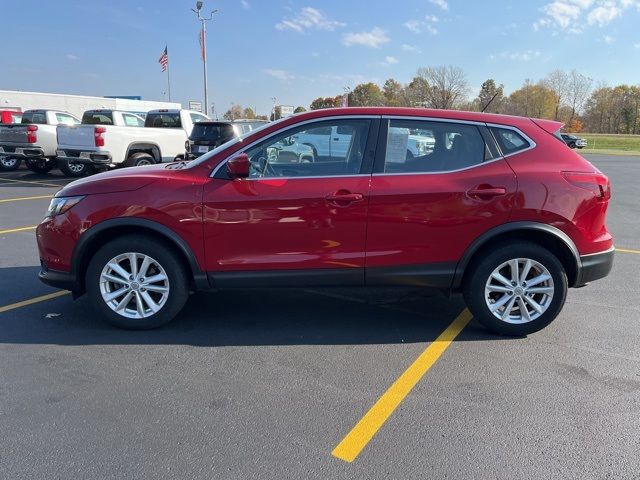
(245, 318)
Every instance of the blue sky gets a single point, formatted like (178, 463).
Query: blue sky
(299, 50)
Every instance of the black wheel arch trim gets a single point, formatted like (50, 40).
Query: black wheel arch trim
(513, 227)
(144, 146)
(199, 277)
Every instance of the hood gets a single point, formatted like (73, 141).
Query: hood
(119, 180)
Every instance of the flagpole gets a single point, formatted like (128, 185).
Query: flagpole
(168, 76)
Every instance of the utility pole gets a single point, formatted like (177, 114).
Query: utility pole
(203, 47)
(275, 102)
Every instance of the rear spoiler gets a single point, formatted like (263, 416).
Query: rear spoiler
(549, 126)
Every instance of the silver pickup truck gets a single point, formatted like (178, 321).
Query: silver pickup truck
(34, 141)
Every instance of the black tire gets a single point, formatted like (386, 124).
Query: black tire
(572, 145)
(139, 160)
(40, 166)
(9, 164)
(74, 169)
(164, 256)
(481, 269)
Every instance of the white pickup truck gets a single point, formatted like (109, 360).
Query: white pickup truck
(33, 140)
(110, 138)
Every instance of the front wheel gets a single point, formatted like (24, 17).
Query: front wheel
(40, 166)
(136, 282)
(74, 169)
(516, 289)
(8, 164)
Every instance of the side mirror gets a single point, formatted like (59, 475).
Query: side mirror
(238, 166)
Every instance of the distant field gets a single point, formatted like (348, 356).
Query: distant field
(611, 143)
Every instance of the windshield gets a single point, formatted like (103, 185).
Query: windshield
(231, 142)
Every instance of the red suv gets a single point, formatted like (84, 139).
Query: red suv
(495, 207)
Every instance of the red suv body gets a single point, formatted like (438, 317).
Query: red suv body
(494, 206)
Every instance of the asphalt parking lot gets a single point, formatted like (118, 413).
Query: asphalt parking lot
(270, 383)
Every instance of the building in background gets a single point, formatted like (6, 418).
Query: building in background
(76, 104)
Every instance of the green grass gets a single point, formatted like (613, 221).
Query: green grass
(613, 144)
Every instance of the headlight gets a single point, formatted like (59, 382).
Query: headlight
(60, 205)
(421, 147)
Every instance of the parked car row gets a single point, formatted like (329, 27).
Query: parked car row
(102, 139)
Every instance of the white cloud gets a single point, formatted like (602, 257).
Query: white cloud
(72, 57)
(636, 45)
(524, 56)
(608, 39)
(410, 48)
(245, 4)
(373, 39)
(570, 15)
(603, 15)
(440, 3)
(419, 26)
(309, 18)
(389, 60)
(279, 74)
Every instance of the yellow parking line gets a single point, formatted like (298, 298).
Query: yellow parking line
(34, 182)
(358, 438)
(14, 230)
(5, 200)
(31, 301)
(624, 250)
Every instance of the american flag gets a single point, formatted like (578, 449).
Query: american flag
(164, 60)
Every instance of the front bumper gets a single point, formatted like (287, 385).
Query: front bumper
(58, 279)
(595, 266)
(21, 151)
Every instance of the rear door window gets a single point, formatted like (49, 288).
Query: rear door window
(97, 118)
(64, 119)
(132, 120)
(422, 146)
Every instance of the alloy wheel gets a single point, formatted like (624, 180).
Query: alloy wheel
(134, 285)
(519, 291)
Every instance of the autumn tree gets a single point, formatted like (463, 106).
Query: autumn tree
(577, 92)
(248, 113)
(448, 86)
(233, 113)
(558, 83)
(393, 92)
(300, 110)
(491, 96)
(417, 93)
(326, 102)
(366, 95)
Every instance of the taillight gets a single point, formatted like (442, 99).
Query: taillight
(32, 136)
(98, 133)
(598, 183)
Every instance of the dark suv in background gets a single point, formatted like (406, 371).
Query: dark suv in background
(206, 136)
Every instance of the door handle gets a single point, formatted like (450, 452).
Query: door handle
(335, 139)
(343, 198)
(487, 192)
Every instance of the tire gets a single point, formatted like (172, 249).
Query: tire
(572, 145)
(162, 262)
(139, 160)
(40, 166)
(8, 164)
(479, 281)
(74, 169)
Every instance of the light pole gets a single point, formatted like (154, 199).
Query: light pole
(203, 47)
(275, 102)
(345, 99)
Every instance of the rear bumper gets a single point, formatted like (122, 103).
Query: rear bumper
(21, 151)
(84, 156)
(595, 266)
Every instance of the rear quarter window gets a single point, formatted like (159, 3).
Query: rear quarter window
(510, 141)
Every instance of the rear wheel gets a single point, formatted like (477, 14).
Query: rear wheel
(517, 289)
(136, 282)
(139, 160)
(572, 145)
(8, 164)
(40, 166)
(74, 169)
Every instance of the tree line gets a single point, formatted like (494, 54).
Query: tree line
(566, 96)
